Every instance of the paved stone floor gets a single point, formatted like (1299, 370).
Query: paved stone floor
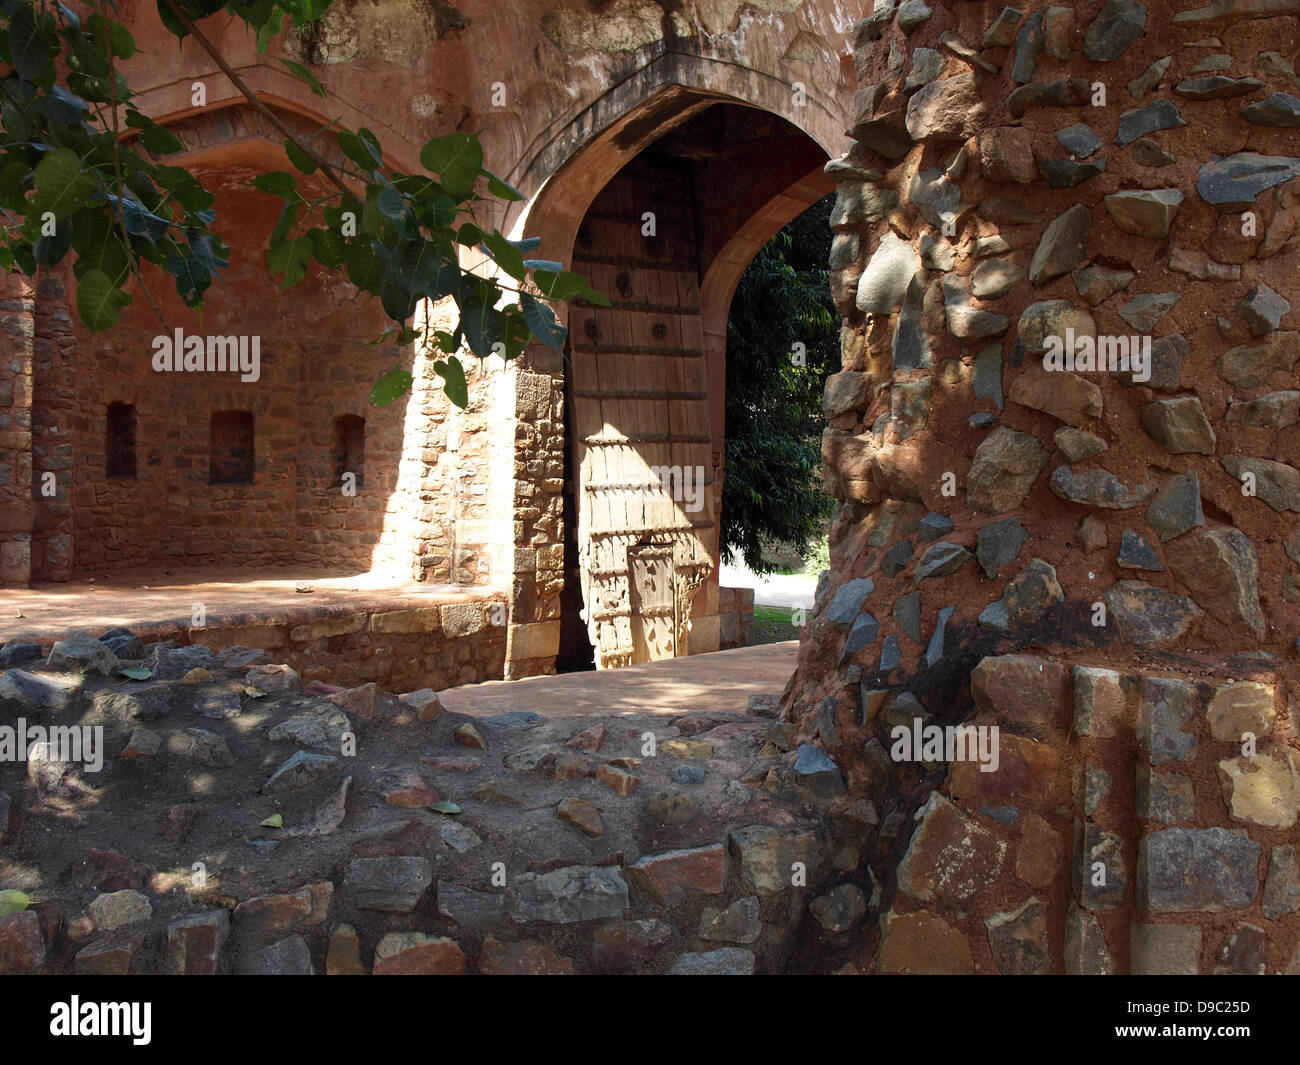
(723, 680)
(132, 599)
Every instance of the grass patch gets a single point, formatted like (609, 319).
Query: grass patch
(772, 624)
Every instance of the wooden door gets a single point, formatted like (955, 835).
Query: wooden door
(641, 435)
(654, 614)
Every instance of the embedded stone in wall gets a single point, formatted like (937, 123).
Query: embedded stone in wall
(1100, 876)
(1018, 939)
(951, 856)
(1004, 468)
(1239, 707)
(1220, 569)
(1183, 870)
(924, 944)
(1164, 950)
(1262, 789)
(1063, 246)
(1168, 707)
(1026, 693)
(1085, 946)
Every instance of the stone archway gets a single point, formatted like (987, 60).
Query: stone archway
(716, 179)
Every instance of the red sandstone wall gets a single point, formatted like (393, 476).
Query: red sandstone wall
(316, 363)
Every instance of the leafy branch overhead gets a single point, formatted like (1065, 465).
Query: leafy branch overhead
(79, 175)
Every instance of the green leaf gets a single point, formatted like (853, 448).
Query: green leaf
(136, 673)
(274, 821)
(65, 107)
(446, 806)
(482, 325)
(391, 204)
(47, 251)
(469, 235)
(284, 224)
(365, 267)
(418, 263)
(559, 285)
(99, 301)
(417, 186)
(13, 177)
(398, 301)
(391, 386)
(205, 248)
(29, 47)
(594, 297)
(192, 277)
(506, 255)
(501, 189)
(291, 258)
(98, 245)
(70, 17)
(13, 901)
(119, 37)
(328, 247)
(277, 183)
(159, 140)
(142, 223)
(300, 71)
(457, 158)
(62, 187)
(311, 10)
(301, 160)
(174, 25)
(541, 320)
(549, 266)
(359, 151)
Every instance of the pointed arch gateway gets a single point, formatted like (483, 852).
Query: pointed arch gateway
(668, 223)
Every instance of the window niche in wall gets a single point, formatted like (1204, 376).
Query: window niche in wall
(349, 449)
(231, 447)
(119, 441)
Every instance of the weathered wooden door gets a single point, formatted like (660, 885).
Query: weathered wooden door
(654, 607)
(640, 413)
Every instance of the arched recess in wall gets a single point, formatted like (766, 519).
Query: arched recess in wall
(308, 362)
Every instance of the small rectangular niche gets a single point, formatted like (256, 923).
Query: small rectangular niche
(231, 447)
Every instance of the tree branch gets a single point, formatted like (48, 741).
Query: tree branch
(326, 167)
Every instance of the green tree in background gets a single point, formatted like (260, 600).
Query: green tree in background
(772, 482)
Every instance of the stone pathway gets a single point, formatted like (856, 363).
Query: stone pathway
(722, 681)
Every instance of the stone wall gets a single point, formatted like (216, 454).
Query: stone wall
(16, 385)
(439, 643)
(1123, 829)
(735, 617)
(1021, 178)
(417, 501)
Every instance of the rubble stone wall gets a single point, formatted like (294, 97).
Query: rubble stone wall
(1025, 182)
